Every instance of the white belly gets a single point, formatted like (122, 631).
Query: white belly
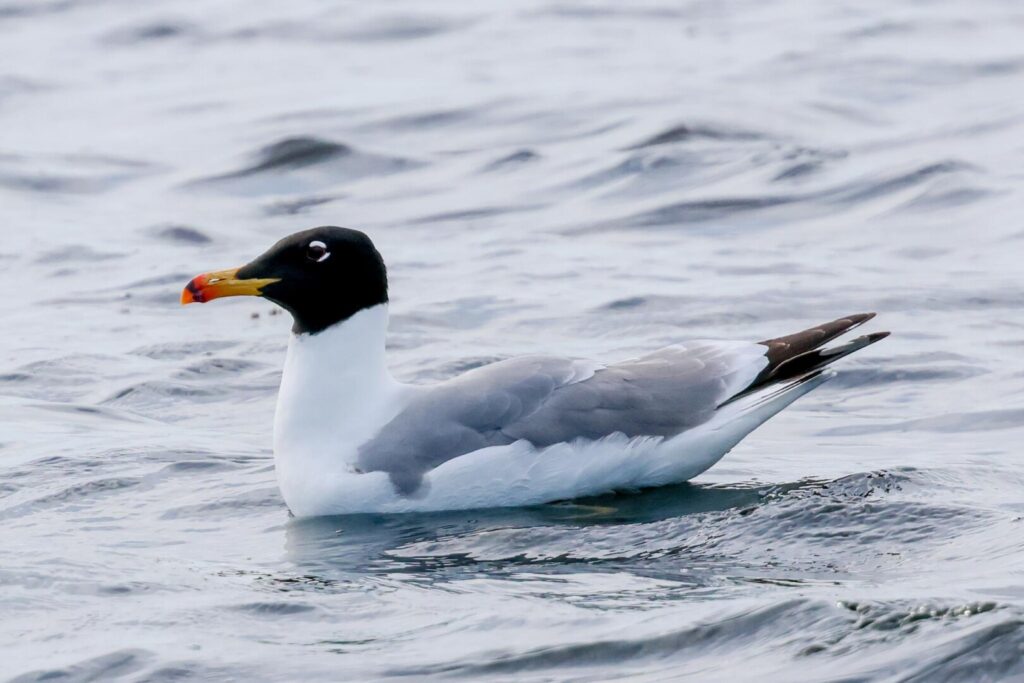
(501, 476)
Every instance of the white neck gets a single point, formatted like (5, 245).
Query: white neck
(336, 392)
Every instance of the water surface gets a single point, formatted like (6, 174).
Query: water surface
(592, 178)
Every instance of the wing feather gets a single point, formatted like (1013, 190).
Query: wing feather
(547, 400)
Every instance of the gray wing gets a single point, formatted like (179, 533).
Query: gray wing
(547, 400)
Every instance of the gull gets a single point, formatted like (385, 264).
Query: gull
(349, 438)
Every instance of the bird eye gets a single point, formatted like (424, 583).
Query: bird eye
(317, 252)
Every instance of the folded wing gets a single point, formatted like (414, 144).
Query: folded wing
(548, 400)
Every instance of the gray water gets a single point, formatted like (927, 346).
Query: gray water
(588, 178)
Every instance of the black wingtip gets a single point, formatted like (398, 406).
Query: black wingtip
(800, 356)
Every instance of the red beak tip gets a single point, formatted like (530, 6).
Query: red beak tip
(193, 292)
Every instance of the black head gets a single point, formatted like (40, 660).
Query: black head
(321, 276)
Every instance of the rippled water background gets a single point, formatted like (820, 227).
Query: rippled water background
(593, 178)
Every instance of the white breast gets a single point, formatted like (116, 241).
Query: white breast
(336, 393)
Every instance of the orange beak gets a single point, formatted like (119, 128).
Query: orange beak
(210, 286)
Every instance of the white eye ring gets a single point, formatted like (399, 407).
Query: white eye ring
(318, 244)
